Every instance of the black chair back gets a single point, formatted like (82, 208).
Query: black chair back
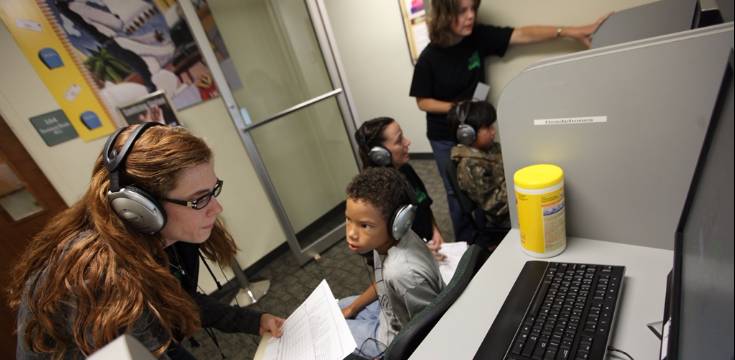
(465, 203)
(413, 333)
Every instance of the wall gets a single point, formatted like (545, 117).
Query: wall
(68, 166)
(373, 48)
(374, 53)
(375, 56)
(529, 12)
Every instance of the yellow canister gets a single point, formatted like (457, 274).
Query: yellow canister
(539, 191)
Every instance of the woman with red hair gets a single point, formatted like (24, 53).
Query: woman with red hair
(125, 258)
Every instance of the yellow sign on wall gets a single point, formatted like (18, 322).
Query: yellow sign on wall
(55, 66)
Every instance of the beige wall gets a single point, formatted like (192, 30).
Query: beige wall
(68, 166)
(374, 52)
(22, 95)
(375, 55)
(530, 12)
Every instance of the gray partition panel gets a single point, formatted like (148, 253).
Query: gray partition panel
(626, 175)
(726, 9)
(640, 22)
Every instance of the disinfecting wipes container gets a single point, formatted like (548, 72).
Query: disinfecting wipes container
(539, 191)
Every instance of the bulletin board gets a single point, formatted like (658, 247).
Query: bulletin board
(414, 17)
(96, 56)
(55, 65)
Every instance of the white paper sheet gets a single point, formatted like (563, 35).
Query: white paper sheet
(481, 92)
(453, 252)
(316, 330)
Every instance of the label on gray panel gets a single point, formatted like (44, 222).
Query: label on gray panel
(571, 121)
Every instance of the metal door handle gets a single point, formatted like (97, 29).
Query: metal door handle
(294, 108)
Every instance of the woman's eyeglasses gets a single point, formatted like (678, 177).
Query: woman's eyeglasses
(200, 202)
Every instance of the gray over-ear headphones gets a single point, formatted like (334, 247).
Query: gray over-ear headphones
(466, 133)
(380, 156)
(133, 205)
(403, 217)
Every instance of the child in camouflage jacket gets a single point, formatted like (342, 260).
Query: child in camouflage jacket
(479, 160)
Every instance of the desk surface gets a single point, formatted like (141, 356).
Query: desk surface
(459, 333)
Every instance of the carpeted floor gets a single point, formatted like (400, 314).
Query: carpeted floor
(291, 284)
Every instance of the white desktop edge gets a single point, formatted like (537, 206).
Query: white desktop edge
(459, 333)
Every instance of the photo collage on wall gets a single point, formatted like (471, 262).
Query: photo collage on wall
(134, 48)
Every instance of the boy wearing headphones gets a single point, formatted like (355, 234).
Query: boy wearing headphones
(380, 210)
(479, 162)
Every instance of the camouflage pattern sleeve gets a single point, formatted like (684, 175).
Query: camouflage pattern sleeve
(481, 176)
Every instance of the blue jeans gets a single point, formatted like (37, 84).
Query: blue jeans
(463, 230)
(364, 328)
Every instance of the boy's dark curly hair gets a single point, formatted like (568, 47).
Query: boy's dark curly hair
(385, 188)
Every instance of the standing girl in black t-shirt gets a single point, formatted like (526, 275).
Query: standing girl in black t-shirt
(450, 67)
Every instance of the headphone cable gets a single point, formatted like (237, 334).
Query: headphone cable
(219, 286)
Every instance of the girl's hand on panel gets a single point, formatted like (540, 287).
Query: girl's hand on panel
(583, 34)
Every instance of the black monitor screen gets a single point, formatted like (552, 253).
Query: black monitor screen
(702, 296)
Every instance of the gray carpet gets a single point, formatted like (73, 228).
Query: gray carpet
(291, 284)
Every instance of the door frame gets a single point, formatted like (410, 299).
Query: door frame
(22, 230)
(326, 40)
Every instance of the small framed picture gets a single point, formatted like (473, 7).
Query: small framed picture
(154, 107)
(414, 23)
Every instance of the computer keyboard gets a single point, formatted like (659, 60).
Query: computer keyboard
(556, 311)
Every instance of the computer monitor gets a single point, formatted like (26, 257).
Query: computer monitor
(701, 298)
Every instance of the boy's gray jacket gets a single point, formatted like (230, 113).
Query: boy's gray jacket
(407, 280)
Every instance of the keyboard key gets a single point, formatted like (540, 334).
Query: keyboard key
(564, 353)
(539, 298)
(517, 347)
(539, 352)
(529, 347)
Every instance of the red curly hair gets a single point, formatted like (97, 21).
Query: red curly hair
(88, 261)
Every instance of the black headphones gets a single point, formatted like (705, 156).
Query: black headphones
(132, 204)
(466, 133)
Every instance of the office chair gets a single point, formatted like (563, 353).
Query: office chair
(466, 204)
(415, 331)
(482, 234)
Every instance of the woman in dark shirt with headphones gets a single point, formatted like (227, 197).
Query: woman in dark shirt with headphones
(382, 143)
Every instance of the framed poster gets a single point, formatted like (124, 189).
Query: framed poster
(414, 23)
(154, 107)
(56, 66)
(121, 51)
(131, 48)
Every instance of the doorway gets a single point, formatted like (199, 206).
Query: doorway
(292, 110)
(27, 202)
